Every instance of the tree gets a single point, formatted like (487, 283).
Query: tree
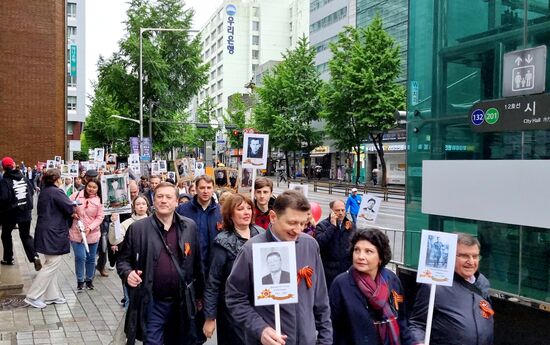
(289, 101)
(197, 137)
(173, 71)
(362, 96)
(236, 115)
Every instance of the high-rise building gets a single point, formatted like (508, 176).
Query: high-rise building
(327, 20)
(76, 79)
(32, 79)
(240, 36)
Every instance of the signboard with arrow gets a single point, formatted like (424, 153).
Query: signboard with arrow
(524, 72)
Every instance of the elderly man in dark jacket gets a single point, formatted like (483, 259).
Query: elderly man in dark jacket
(462, 312)
(333, 235)
(160, 261)
(16, 204)
(54, 211)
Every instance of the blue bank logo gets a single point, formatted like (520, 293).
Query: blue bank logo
(231, 10)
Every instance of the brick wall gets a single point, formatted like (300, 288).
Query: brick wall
(32, 79)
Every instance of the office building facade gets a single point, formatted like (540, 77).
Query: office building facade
(32, 80)
(239, 37)
(76, 78)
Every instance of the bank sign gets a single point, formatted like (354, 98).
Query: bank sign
(231, 10)
(521, 113)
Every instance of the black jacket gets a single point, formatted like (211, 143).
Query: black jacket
(54, 208)
(16, 196)
(334, 245)
(140, 250)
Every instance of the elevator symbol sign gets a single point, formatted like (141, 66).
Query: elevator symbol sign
(524, 72)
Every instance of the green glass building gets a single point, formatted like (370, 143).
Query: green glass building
(455, 59)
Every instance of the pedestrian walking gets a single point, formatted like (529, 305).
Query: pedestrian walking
(160, 261)
(308, 321)
(366, 301)
(54, 210)
(263, 200)
(466, 305)
(352, 205)
(140, 210)
(89, 215)
(16, 204)
(238, 225)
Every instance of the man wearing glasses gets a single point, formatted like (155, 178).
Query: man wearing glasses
(462, 312)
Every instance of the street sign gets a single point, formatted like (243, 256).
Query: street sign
(414, 92)
(524, 72)
(524, 113)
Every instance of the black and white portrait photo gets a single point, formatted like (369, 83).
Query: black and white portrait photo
(276, 275)
(255, 150)
(255, 147)
(220, 177)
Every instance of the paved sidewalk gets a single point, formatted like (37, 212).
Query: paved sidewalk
(89, 317)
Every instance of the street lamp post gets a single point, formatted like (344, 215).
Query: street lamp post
(141, 31)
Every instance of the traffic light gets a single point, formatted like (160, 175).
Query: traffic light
(235, 133)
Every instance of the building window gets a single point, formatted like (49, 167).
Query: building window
(254, 68)
(220, 28)
(220, 56)
(219, 111)
(219, 98)
(255, 54)
(219, 71)
(317, 4)
(220, 84)
(255, 11)
(213, 74)
(220, 42)
(255, 39)
(71, 80)
(71, 10)
(255, 25)
(71, 31)
(71, 102)
(329, 20)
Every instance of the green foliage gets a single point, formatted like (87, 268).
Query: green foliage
(362, 95)
(194, 137)
(236, 115)
(289, 101)
(173, 72)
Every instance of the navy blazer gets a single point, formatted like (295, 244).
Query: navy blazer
(352, 322)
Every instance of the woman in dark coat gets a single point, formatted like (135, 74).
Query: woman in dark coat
(239, 227)
(366, 302)
(51, 238)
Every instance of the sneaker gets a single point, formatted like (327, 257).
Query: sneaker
(58, 300)
(37, 264)
(79, 286)
(111, 268)
(35, 303)
(7, 262)
(89, 285)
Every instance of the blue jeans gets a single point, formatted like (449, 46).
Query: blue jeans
(84, 262)
(164, 325)
(353, 218)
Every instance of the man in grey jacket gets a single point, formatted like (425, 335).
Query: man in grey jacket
(462, 312)
(307, 322)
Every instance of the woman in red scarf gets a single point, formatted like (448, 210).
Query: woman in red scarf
(366, 301)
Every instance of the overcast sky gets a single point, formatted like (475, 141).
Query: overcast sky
(105, 27)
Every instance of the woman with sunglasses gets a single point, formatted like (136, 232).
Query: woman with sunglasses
(89, 215)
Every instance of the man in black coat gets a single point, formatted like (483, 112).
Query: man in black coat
(333, 235)
(160, 262)
(16, 204)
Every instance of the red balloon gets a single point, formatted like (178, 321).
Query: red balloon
(316, 211)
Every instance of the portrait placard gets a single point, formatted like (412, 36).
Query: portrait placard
(245, 180)
(163, 167)
(368, 210)
(114, 193)
(111, 158)
(155, 168)
(73, 168)
(220, 177)
(274, 267)
(255, 150)
(133, 159)
(199, 168)
(50, 164)
(57, 159)
(171, 175)
(65, 170)
(436, 264)
(99, 154)
(299, 187)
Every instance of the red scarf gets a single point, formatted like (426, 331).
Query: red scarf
(377, 293)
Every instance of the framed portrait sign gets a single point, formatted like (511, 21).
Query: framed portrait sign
(99, 154)
(163, 167)
(221, 177)
(114, 193)
(73, 168)
(171, 175)
(133, 159)
(111, 158)
(155, 169)
(275, 279)
(245, 180)
(65, 170)
(436, 264)
(50, 164)
(200, 168)
(255, 150)
(368, 210)
(299, 187)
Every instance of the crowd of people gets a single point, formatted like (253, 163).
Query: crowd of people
(185, 259)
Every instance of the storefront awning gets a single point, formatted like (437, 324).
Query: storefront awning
(319, 151)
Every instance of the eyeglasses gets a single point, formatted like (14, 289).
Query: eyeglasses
(475, 257)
